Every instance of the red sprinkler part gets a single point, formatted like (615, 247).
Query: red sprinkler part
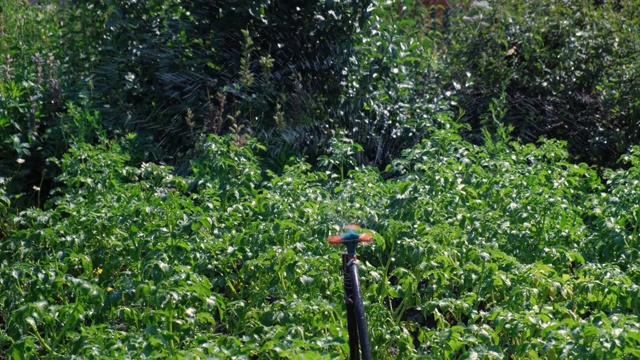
(335, 240)
(365, 238)
(350, 238)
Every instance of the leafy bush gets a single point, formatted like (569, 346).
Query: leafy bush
(176, 69)
(391, 98)
(561, 70)
(617, 213)
(29, 91)
(37, 120)
(367, 73)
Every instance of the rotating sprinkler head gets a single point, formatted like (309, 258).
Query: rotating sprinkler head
(350, 238)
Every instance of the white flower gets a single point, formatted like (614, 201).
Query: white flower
(20, 161)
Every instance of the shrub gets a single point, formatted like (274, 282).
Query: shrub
(391, 98)
(35, 108)
(559, 70)
(176, 69)
(616, 214)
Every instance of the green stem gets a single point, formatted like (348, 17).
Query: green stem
(634, 236)
(171, 328)
(284, 284)
(56, 339)
(40, 339)
(397, 316)
(541, 230)
(40, 186)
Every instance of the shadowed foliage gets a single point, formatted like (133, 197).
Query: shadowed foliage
(566, 70)
(176, 69)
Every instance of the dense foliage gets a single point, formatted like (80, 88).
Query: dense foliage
(278, 119)
(42, 105)
(174, 69)
(564, 69)
(496, 251)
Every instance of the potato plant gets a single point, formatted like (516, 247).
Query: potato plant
(496, 251)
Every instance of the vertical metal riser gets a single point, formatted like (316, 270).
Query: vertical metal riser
(361, 319)
(352, 327)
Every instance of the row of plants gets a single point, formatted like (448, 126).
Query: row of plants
(496, 251)
(379, 72)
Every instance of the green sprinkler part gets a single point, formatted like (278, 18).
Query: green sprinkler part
(350, 238)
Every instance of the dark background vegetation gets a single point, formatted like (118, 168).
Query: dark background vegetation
(294, 74)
